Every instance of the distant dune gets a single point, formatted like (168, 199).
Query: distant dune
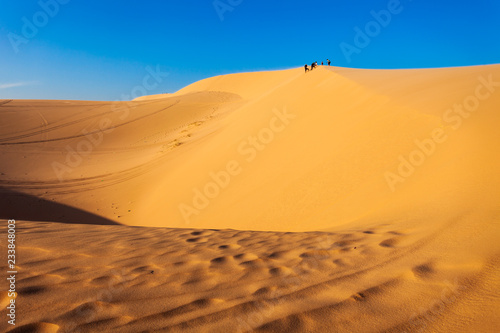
(151, 97)
(367, 201)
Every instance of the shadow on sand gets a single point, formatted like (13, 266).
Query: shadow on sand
(20, 206)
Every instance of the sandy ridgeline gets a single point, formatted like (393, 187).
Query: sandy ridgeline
(338, 200)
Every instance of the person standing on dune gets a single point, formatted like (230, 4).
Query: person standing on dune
(306, 68)
(329, 62)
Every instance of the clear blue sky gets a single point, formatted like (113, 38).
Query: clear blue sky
(98, 50)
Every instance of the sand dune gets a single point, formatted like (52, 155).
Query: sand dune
(344, 199)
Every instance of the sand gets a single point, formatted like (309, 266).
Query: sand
(341, 200)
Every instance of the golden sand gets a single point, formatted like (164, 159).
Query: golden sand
(341, 200)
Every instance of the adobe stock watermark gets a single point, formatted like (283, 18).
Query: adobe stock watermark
(249, 149)
(453, 116)
(223, 6)
(93, 137)
(372, 29)
(48, 10)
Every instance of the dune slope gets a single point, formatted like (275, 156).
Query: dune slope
(332, 147)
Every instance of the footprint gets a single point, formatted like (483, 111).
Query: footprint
(343, 243)
(33, 290)
(424, 270)
(229, 247)
(376, 290)
(195, 124)
(281, 255)
(359, 297)
(265, 290)
(222, 260)
(340, 262)
(142, 269)
(280, 271)
(106, 280)
(391, 242)
(254, 263)
(179, 263)
(246, 257)
(197, 240)
(37, 328)
(317, 254)
(89, 309)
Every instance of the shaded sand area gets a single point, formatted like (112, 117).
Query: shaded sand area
(338, 200)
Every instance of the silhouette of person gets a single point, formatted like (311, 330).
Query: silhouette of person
(329, 62)
(306, 68)
(322, 63)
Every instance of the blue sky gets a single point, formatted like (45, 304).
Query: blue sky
(99, 50)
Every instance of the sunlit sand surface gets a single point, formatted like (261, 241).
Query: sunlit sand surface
(341, 200)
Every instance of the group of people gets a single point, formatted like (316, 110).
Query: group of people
(315, 64)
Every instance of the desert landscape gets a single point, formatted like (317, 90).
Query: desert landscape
(338, 200)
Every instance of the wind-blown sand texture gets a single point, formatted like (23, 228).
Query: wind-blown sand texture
(341, 200)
